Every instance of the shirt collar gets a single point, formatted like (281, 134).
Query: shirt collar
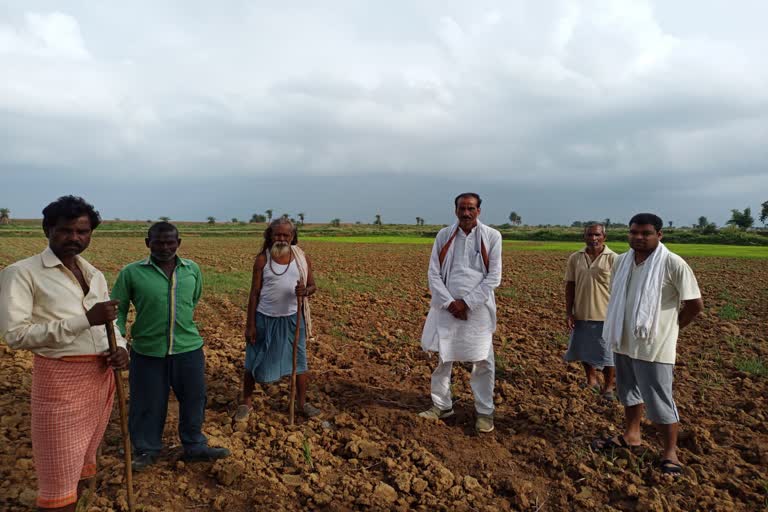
(50, 260)
(179, 261)
(606, 250)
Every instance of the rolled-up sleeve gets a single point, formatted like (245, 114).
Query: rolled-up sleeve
(16, 325)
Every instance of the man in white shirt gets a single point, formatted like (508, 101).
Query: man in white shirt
(464, 271)
(643, 321)
(55, 304)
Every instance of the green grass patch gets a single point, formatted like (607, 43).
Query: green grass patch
(337, 284)
(229, 283)
(729, 312)
(753, 366)
(561, 340)
(508, 292)
(735, 342)
(406, 240)
(684, 250)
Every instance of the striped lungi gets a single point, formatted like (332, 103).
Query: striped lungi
(71, 406)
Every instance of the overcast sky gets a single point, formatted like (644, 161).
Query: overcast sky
(559, 110)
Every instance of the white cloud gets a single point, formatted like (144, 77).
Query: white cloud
(552, 90)
(50, 35)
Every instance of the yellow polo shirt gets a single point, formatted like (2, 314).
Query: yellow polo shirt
(593, 283)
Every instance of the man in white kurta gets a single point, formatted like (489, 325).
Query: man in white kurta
(464, 270)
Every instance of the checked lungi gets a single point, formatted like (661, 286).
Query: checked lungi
(71, 405)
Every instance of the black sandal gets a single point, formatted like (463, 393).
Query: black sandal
(670, 468)
(606, 443)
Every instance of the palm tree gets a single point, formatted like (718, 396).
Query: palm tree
(515, 219)
(418, 221)
(335, 222)
(211, 220)
(377, 222)
(269, 215)
(5, 216)
(234, 220)
(301, 218)
(165, 219)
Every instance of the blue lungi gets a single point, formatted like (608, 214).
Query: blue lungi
(588, 346)
(271, 358)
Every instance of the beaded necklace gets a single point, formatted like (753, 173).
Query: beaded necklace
(290, 258)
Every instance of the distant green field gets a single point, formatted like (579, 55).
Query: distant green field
(685, 250)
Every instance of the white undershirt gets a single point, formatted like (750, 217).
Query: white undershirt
(278, 291)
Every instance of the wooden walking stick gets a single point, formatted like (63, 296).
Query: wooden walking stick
(296, 336)
(123, 418)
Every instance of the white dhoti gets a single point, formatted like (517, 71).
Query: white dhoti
(464, 275)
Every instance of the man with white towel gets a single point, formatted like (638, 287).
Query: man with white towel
(643, 321)
(464, 271)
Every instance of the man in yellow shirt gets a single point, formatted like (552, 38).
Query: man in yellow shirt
(55, 304)
(587, 291)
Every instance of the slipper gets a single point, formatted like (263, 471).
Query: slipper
(594, 387)
(606, 443)
(609, 396)
(670, 468)
(243, 412)
(310, 411)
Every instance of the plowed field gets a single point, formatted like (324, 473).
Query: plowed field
(369, 450)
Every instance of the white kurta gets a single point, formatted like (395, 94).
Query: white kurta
(463, 276)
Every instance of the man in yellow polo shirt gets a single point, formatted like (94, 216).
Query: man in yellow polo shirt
(587, 292)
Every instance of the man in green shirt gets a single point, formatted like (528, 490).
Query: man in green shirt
(166, 348)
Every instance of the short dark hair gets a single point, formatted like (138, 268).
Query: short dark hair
(161, 227)
(594, 225)
(647, 218)
(467, 194)
(69, 207)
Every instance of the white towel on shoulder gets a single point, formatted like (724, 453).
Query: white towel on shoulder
(301, 263)
(645, 317)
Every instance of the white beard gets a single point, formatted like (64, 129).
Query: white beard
(279, 249)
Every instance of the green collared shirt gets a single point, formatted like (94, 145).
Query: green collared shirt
(165, 306)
